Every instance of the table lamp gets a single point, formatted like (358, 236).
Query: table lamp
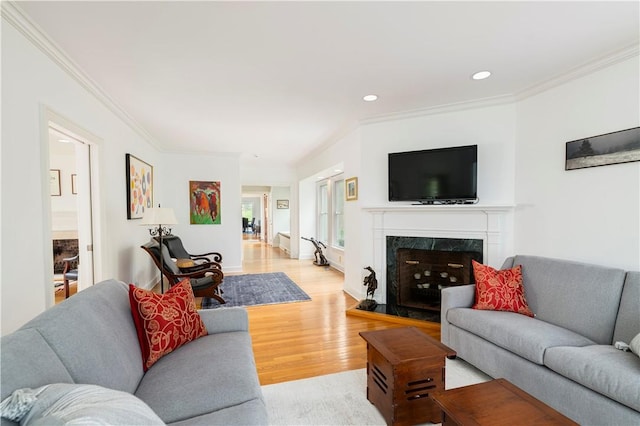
(158, 218)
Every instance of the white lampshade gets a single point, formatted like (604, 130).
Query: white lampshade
(158, 216)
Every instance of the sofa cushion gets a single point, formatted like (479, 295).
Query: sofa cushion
(164, 321)
(601, 368)
(27, 361)
(211, 373)
(567, 293)
(94, 336)
(635, 345)
(524, 336)
(63, 403)
(628, 320)
(500, 290)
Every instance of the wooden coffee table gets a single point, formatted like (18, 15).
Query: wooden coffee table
(495, 403)
(404, 365)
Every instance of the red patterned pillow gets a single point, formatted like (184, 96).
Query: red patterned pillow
(500, 290)
(164, 321)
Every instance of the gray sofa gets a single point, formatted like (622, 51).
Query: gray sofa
(565, 356)
(91, 338)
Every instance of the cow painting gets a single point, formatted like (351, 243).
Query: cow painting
(204, 202)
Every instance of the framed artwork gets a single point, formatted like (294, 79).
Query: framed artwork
(282, 204)
(74, 183)
(54, 182)
(204, 206)
(351, 190)
(611, 148)
(139, 187)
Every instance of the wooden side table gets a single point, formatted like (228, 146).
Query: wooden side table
(497, 402)
(404, 365)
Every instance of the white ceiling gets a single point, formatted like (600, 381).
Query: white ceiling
(279, 79)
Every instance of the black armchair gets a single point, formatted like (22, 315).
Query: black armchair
(205, 281)
(177, 251)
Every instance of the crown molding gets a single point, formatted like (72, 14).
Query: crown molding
(15, 16)
(441, 109)
(587, 68)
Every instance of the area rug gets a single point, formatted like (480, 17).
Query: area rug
(257, 289)
(341, 398)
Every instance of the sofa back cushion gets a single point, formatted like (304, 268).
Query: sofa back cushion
(581, 297)
(628, 320)
(94, 336)
(27, 361)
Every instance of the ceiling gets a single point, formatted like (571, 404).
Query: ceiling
(273, 81)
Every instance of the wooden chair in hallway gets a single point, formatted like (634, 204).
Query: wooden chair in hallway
(205, 281)
(69, 273)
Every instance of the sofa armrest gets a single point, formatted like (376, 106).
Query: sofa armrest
(454, 297)
(225, 320)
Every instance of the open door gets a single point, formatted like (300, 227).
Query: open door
(73, 152)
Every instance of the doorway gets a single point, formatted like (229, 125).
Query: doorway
(72, 172)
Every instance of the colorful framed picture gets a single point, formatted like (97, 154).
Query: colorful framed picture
(204, 208)
(54, 182)
(351, 189)
(611, 148)
(139, 187)
(282, 204)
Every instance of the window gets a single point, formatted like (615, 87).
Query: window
(330, 219)
(338, 213)
(323, 212)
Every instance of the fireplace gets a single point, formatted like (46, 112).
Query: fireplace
(418, 268)
(483, 230)
(423, 274)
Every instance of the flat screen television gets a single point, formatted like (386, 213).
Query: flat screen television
(434, 176)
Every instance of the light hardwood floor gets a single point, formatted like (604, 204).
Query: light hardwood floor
(306, 339)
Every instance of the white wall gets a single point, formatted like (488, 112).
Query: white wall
(64, 208)
(31, 81)
(226, 237)
(589, 215)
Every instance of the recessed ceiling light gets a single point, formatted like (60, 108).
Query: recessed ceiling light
(64, 140)
(370, 98)
(320, 177)
(337, 170)
(481, 75)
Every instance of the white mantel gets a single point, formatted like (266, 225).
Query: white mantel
(493, 224)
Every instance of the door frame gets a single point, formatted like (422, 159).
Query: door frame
(50, 118)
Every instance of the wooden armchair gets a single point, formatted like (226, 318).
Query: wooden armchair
(204, 281)
(69, 273)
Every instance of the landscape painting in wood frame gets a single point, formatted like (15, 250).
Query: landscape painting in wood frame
(139, 187)
(611, 148)
(204, 206)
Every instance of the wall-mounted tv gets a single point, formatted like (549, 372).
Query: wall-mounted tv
(434, 176)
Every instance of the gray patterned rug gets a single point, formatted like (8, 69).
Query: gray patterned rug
(257, 289)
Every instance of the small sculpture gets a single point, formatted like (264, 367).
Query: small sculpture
(372, 284)
(320, 259)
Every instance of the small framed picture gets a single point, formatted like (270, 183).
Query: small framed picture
(351, 190)
(282, 204)
(54, 182)
(74, 183)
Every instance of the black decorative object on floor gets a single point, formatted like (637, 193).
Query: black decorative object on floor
(257, 289)
(321, 260)
(372, 284)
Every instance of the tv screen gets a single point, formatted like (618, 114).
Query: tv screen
(432, 176)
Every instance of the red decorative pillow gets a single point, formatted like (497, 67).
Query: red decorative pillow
(164, 321)
(500, 290)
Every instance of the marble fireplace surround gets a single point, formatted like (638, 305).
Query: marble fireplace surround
(492, 224)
